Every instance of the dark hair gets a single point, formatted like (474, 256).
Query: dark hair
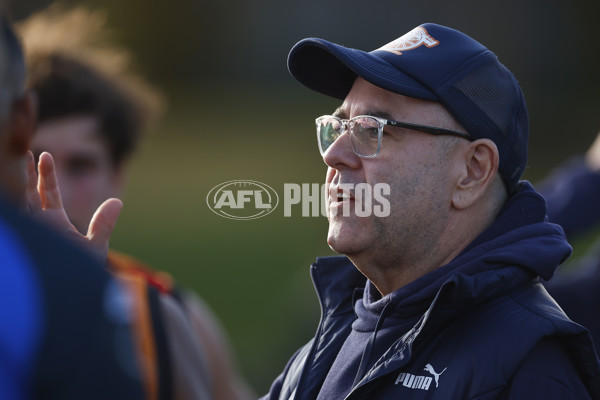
(74, 71)
(12, 79)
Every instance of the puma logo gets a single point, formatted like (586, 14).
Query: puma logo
(436, 376)
(411, 381)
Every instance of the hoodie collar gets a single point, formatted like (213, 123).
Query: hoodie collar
(519, 246)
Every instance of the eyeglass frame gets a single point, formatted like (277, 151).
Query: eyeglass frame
(381, 122)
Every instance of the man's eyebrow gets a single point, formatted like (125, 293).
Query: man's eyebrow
(380, 114)
(339, 112)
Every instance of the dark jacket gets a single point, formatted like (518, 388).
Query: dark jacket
(487, 329)
(572, 193)
(64, 322)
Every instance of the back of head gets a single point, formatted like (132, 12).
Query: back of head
(12, 68)
(17, 114)
(76, 70)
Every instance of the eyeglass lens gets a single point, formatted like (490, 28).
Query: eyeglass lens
(363, 132)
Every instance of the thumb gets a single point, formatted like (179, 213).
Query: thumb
(103, 223)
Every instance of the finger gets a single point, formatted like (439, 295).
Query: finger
(593, 155)
(48, 183)
(32, 197)
(103, 223)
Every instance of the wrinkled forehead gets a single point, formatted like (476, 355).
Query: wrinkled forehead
(366, 98)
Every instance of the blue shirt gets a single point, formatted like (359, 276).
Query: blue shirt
(64, 322)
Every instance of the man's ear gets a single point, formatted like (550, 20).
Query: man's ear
(22, 123)
(478, 165)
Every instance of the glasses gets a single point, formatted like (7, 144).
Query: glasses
(365, 132)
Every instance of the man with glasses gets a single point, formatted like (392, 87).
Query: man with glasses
(440, 298)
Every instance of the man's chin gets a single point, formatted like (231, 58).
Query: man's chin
(342, 245)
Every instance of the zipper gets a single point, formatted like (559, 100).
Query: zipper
(309, 357)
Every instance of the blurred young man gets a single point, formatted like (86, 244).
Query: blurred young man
(92, 113)
(65, 328)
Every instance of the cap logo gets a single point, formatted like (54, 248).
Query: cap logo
(410, 40)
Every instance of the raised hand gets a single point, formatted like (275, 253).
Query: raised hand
(44, 202)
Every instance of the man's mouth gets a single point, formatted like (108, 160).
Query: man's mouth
(339, 195)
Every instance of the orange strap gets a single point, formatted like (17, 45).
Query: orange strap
(136, 286)
(160, 280)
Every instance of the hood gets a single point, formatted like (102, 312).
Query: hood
(517, 248)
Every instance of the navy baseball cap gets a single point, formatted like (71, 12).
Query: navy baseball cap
(431, 62)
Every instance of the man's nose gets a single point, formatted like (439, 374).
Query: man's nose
(340, 154)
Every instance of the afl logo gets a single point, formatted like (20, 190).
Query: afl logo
(242, 200)
(410, 40)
